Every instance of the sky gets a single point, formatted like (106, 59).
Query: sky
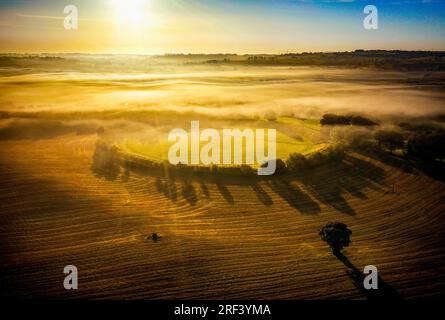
(219, 26)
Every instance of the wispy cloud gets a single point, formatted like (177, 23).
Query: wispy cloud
(32, 16)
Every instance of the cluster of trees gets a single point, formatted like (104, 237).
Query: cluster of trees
(424, 145)
(380, 59)
(390, 140)
(297, 162)
(427, 145)
(419, 127)
(294, 163)
(142, 164)
(334, 119)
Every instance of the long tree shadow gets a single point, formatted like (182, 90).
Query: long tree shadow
(105, 162)
(262, 195)
(189, 193)
(327, 184)
(384, 291)
(294, 196)
(167, 188)
(390, 160)
(328, 190)
(204, 189)
(433, 169)
(350, 176)
(225, 192)
(126, 174)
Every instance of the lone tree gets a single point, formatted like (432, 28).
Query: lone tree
(337, 235)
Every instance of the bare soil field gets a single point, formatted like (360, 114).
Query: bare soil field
(220, 239)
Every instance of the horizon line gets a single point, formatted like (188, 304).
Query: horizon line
(215, 53)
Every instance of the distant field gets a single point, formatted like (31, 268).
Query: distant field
(299, 142)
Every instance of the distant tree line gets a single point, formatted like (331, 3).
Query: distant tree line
(334, 119)
(379, 59)
(297, 162)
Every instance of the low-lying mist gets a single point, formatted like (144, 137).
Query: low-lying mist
(241, 91)
(42, 104)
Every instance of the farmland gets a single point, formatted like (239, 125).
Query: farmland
(222, 237)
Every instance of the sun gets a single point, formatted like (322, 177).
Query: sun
(134, 24)
(129, 12)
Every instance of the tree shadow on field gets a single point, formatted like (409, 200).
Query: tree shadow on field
(294, 196)
(384, 291)
(350, 176)
(328, 190)
(204, 189)
(167, 188)
(390, 160)
(433, 169)
(304, 190)
(126, 174)
(189, 193)
(225, 192)
(262, 195)
(105, 162)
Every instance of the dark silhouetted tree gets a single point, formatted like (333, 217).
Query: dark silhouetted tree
(296, 162)
(333, 119)
(362, 121)
(280, 165)
(427, 145)
(390, 140)
(337, 235)
(247, 170)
